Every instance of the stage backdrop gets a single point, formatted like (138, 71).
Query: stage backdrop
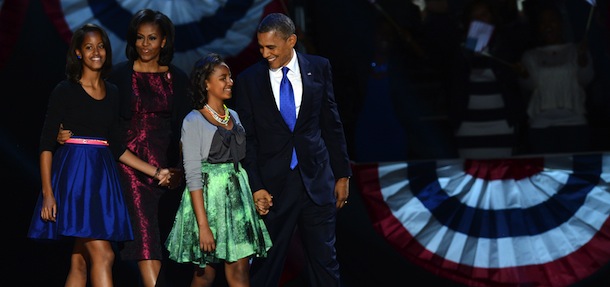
(226, 27)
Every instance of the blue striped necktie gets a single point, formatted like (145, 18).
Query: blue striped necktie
(288, 108)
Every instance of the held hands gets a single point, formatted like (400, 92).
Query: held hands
(163, 175)
(263, 201)
(177, 176)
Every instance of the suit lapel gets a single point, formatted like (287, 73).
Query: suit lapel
(264, 84)
(267, 99)
(307, 80)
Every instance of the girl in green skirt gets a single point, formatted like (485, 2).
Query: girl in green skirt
(217, 220)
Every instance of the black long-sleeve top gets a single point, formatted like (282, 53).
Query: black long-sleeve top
(85, 116)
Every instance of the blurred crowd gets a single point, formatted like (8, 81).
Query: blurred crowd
(416, 90)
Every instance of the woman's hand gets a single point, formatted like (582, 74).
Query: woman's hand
(163, 175)
(63, 135)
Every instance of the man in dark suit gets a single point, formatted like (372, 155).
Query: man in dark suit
(307, 197)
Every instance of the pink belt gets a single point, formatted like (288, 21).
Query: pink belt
(87, 141)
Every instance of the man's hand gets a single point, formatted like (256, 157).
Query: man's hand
(342, 191)
(263, 201)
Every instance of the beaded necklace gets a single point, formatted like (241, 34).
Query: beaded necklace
(223, 120)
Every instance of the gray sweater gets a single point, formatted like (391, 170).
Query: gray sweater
(196, 138)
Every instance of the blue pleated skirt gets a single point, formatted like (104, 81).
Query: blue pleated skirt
(88, 194)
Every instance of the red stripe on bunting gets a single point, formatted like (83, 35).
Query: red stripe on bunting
(510, 168)
(56, 15)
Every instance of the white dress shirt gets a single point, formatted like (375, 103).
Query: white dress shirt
(294, 75)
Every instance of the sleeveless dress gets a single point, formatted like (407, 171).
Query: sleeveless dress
(238, 230)
(148, 136)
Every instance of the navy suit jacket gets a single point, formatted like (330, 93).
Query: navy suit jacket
(318, 135)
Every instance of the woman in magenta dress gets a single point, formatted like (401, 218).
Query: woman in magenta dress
(153, 103)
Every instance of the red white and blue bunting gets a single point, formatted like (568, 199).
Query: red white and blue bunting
(226, 26)
(539, 221)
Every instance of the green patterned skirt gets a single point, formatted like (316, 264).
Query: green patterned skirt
(238, 229)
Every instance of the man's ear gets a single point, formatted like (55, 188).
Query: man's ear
(292, 40)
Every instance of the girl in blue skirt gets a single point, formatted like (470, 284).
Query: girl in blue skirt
(81, 197)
